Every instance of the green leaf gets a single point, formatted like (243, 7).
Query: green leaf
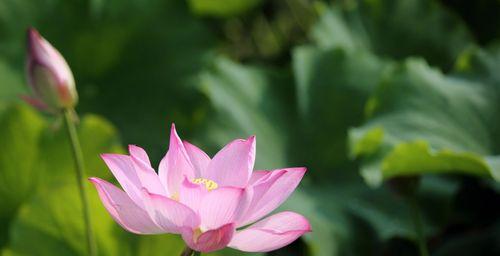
(20, 129)
(348, 218)
(248, 100)
(470, 243)
(50, 216)
(480, 65)
(431, 123)
(333, 30)
(337, 215)
(12, 85)
(153, 76)
(52, 220)
(221, 8)
(417, 27)
(97, 136)
(332, 87)
(393, 28)
(52, 225)
(330, 229)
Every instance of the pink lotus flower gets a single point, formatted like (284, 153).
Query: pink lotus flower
(48, 75)
(205, 200)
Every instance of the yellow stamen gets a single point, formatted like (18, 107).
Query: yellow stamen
(209, 184)
(196, 234)
(175, 196)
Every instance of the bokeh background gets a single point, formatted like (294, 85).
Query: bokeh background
(370, 95)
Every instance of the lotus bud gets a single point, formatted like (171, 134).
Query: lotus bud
(48, 75)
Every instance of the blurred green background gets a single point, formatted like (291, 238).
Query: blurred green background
(370, 95)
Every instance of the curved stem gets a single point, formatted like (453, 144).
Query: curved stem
(419, 228)
(76, 149)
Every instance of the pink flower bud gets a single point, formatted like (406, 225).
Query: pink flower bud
(48, 74)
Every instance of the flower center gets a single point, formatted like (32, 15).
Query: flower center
(209, 184)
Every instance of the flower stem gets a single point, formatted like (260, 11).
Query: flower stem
(419, 228)
(187, 252)
(76, 149)
(190, 252)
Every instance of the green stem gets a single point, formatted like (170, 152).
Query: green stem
(190, 252)
(76, 149)
(419, 228)
(187, 252)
